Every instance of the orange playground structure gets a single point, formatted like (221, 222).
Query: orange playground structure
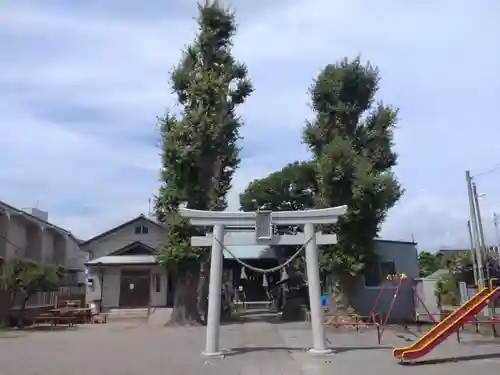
(441, 330)
(449, 325)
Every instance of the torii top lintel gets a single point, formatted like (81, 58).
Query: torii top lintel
(243, 219)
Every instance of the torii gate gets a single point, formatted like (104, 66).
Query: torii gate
(263, 222)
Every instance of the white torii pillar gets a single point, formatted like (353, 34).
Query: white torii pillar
(263, 222)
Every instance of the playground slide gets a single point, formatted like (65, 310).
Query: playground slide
(445, 328)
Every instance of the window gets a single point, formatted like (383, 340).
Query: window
(141, 230)
(387, 268)
(372, 275)
(377, 273)
(157, 282)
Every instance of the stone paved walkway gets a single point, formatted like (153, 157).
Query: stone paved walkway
(257, 348)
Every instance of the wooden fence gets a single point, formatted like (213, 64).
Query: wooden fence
(50, 298)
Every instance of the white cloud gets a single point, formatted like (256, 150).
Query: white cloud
(82, 84)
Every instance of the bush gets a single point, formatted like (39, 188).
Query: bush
(447, 291)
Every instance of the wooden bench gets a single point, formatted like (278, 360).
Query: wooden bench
(55, 320)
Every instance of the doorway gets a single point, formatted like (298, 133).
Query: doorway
(134, 288)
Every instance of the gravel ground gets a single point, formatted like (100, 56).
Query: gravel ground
(133, 348)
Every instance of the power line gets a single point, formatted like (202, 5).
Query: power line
(10, 242)
(487, 172)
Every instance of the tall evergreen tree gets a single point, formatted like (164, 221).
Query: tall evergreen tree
(351, 142)
(199, 147)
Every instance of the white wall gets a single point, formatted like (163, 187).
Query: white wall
(125, 236)
(112, 280)
(426, 291)
(93, 290)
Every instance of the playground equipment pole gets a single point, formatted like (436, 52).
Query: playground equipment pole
(423, 304)
(377, 300)
(401, 278)
(372, 312)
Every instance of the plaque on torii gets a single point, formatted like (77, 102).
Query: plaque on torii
(262, 223)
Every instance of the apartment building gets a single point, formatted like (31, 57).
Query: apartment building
(28, 234)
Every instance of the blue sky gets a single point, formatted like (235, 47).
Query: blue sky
(82, 84)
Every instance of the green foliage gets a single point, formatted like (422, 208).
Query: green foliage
(460, 265)
(9, 279)
(447, 290)
(351, 141)
(428, 263)
(25, 278)
(290, 189)
(28, 278)
(199, 148)
(38, 278)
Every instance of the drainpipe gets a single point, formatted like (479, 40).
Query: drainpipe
(101, 284)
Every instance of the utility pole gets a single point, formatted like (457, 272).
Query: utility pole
(495, 222)
(479, 219)
(497, 250)
(473, 258)
(484, 249)
(475, 235)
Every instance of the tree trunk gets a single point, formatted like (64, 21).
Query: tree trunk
(343, 296)
(185, 311)
(22, 311)
(13, 296)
